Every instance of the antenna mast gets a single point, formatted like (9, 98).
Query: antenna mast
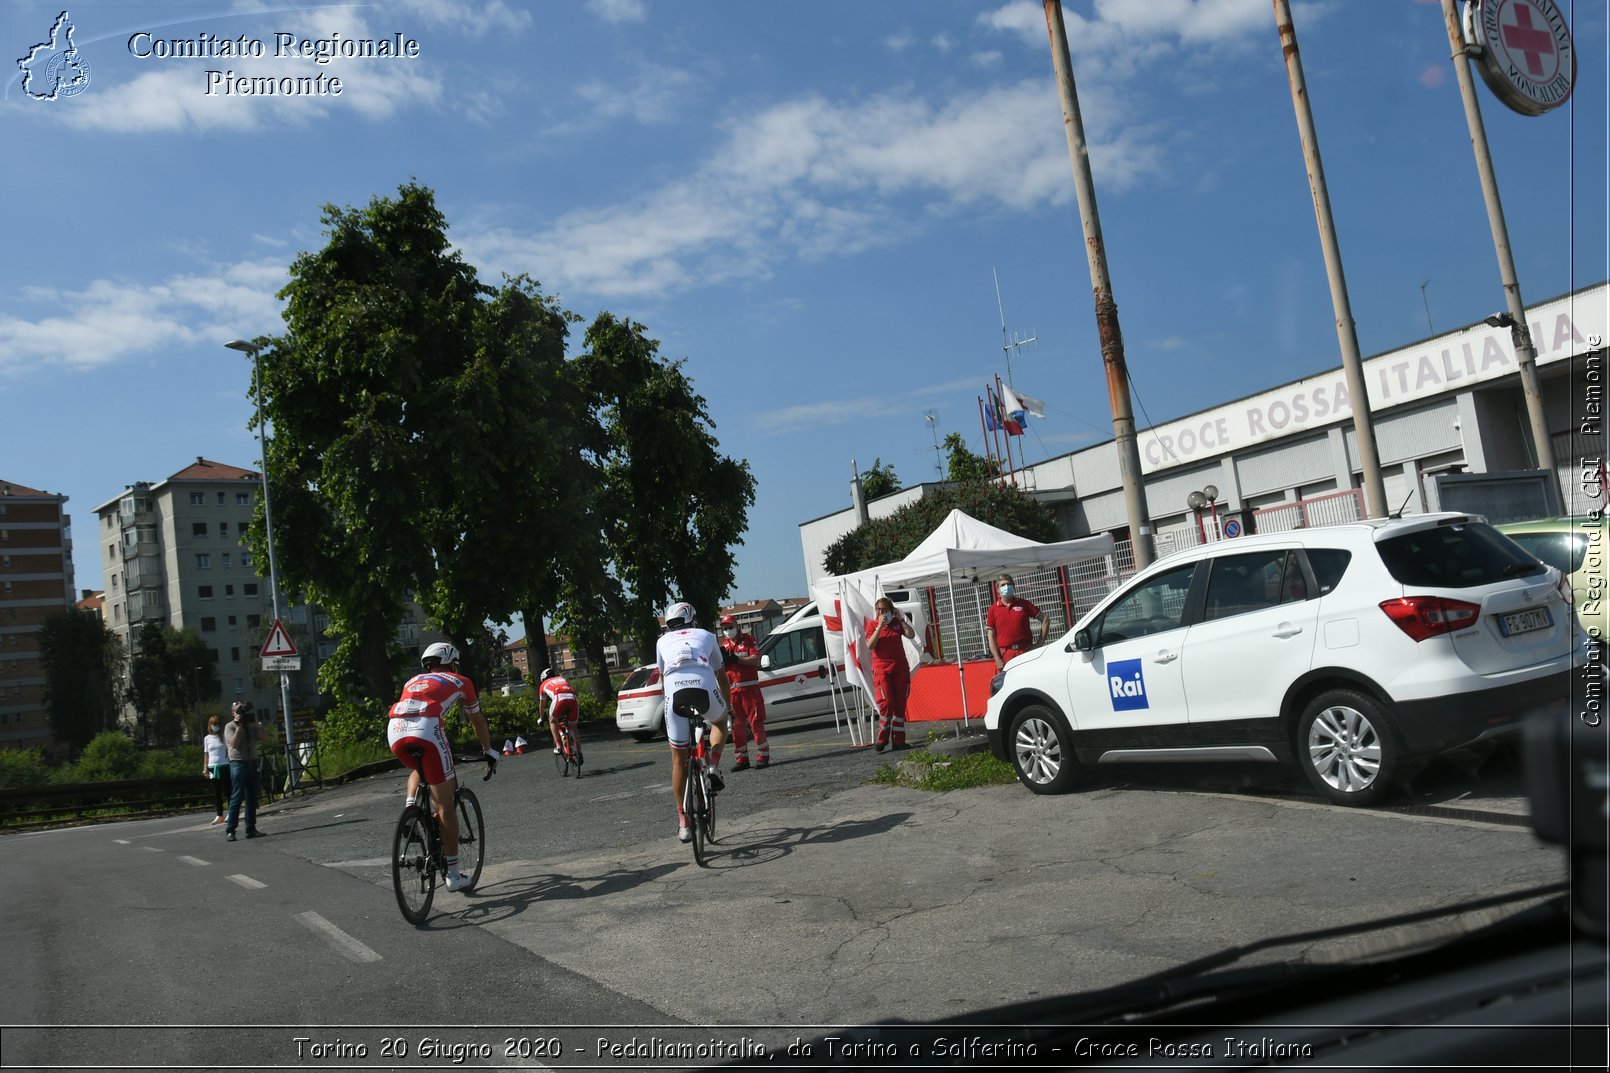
(1011, 342)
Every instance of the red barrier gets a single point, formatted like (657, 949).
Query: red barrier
(936, 691)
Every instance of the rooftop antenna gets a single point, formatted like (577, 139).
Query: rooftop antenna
(932, 417)
(1010, 342)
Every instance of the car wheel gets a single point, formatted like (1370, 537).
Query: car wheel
(1348, 747)
(1042, 750)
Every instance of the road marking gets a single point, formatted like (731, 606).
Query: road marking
(122, 841)
(367, 862)
(195, 861)
(246, 881)
(153, 849)
(349, 947)
(617, 797)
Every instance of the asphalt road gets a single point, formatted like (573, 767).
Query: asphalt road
(830, 901)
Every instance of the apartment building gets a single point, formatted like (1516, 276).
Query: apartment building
(36, 581)
(174, 553)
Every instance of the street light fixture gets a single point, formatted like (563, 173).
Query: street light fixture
(268, 530)
(1207, 499)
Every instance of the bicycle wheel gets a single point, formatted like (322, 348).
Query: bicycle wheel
(471, 835)
(413, 865)
(709, 808)
(694, 804)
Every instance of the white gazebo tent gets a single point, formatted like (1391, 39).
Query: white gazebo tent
(964, 549)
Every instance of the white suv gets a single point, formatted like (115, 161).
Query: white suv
(1353, 650)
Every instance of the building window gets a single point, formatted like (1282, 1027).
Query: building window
(198, 529)
(226, 560)
(237, 685)
(209, 625)
(253, 621)
(204, 592)
(240, 527)
(216, 655)
(220, 503)
(197, 499)
(111, 551)
(114, 578)
(204, 561)
(229, 590)
(7, 560)
(243, 499)
(250, 588)
(232, 620)
(234, 655)
(246, 559)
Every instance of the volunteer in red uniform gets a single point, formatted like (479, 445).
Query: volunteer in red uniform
(891, 674)
(415, 721)
(1009, 624)
(740, 654)
(562, 704)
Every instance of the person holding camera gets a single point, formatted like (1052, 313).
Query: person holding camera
(241, 736)
(891, 674)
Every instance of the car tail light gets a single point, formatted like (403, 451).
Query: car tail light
(1430, 616)
(654, 677)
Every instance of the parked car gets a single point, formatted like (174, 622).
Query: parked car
(1353, 651)
(1576, 547)
(640, 704)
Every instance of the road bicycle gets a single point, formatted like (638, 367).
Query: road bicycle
(569, 754)
(698, 796)
(418, 859)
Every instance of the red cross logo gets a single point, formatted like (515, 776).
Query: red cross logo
(1523, 37)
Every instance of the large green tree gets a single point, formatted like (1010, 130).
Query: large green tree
(887, 539)
(419, 421)
(171, 674)
(669, 505)
(83, 662)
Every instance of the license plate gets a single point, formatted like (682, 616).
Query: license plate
(1536, 618)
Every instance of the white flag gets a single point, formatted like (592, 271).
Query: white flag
(1016, 400)
(854, 613)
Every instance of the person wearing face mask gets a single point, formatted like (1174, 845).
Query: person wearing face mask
(215, 765)
(1009, 624)
(891, 674)
(741, 662)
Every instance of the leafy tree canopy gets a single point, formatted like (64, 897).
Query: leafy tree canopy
(888, 539)
(963, 465)
(880, 480)
(83, 662)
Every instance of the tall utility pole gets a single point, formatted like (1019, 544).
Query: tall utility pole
(1346, 331)
(1112, 342)
(1520, 334)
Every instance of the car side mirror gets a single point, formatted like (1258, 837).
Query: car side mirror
(1082, 641)
(765, 662)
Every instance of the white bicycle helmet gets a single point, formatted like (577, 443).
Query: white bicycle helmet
(678, 615)
(547, 673)
(440, 654)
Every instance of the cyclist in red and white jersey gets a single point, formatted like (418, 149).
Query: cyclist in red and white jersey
(562, 704)
(415, 722)
(690, 658)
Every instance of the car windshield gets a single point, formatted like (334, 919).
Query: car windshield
(1563, 551)
(638, 678)
(1456, 556)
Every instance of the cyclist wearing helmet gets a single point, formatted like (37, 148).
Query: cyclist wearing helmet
(561, 705)
(690, 658)
(416, 722)
(740, 655)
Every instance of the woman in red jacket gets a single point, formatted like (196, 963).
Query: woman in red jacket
(891, 675)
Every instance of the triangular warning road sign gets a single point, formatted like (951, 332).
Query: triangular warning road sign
(278, 643)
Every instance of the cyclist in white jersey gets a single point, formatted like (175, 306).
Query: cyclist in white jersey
(690, 658)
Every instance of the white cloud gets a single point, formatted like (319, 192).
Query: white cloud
(1122, 36)
(812, 178)
(942, 43)
(990, 58)
(493, 16)
(111, 320)
(899, 42)
(613, 11)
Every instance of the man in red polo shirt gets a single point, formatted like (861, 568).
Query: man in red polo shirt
(1009, 624)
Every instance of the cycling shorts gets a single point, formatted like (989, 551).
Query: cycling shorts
(568, 710)
(676, 726)
(428, 735)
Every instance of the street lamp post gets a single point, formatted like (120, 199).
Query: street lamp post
(268, 529)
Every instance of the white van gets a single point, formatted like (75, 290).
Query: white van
(796, 680)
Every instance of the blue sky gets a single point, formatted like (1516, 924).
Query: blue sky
(807, 201)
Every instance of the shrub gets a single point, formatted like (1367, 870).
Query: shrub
(353, 723)
(21, 769)
(109, 757)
